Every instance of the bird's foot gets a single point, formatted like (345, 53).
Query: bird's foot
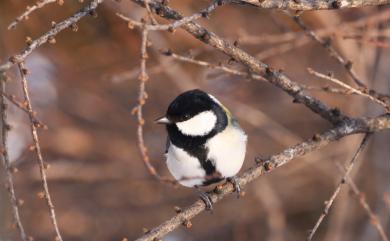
(206, 199)
(236, 185)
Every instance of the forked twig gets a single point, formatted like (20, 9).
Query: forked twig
(30, 9)
(364, 93)
(329, 202)
(7, 164)
(362, 200)
(328, 46)
(57, 28)
(37, 147)
(22, 106)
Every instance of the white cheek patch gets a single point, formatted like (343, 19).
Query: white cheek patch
(199, 125)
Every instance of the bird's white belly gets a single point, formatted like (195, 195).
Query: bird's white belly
(184, 167)
(227, 150)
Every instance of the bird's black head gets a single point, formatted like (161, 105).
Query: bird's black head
(189, 104)
(194, 114)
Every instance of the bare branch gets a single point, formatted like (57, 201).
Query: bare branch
(347, 64)
(313, 4)
(22, 106)
(363, 202)
(37, 147)
(368, 21)
(246, 74)
(276, 78)
(7, 164)
(142, 96)
(29, 9)
(150, 14)
(382, 101)
(176, 24)
(348, 127)
(57, 28)
(329, 203)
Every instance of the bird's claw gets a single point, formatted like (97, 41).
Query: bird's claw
(206, 199)
(236, 185)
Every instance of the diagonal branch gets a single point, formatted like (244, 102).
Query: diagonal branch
(348, 127)
(353, 90)
(57, 28)
(25, 15)
(363, 202)
(347, 64)
(276, 78)
(305, 5)
(329, 203)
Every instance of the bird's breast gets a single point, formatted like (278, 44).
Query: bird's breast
(227, 150)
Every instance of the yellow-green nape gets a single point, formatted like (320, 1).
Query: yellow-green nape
(227, 111)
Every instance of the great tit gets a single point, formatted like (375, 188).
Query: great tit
(205, 143)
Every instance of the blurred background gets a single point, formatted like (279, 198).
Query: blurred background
(85, 85)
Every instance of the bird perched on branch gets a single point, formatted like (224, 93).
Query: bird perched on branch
(205, 142)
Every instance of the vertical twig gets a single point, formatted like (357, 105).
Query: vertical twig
(37, 148)
(6, 162)
(142, 96)
(329, 203)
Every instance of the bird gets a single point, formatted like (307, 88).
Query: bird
(205, 143)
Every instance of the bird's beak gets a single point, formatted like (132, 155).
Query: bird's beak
(163, 120)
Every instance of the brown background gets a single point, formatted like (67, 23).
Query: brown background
(99, 185)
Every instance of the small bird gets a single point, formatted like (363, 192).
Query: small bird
(205, 142)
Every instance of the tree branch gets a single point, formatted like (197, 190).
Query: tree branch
(338, 188)
(348, 127)
(57, 28)
(304, 5)
(37, 148)
(7, 164)
(29, 9)
(276, 78)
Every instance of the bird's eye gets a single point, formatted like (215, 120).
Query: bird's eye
(186, 116)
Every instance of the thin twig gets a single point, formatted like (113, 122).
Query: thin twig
(347, 64)
(176, 24)
(281, 49)
(337, 31)
(213, 66)
(352, 89)
(142, 96)
(57, 28)
(362, 200)
(312, 4)
(150, 14)
(29, 9)
(7, 164)
(247, 75)
(329, 203)
(37, 148)
(22, 106)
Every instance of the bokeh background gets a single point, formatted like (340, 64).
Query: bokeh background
(85, 85)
